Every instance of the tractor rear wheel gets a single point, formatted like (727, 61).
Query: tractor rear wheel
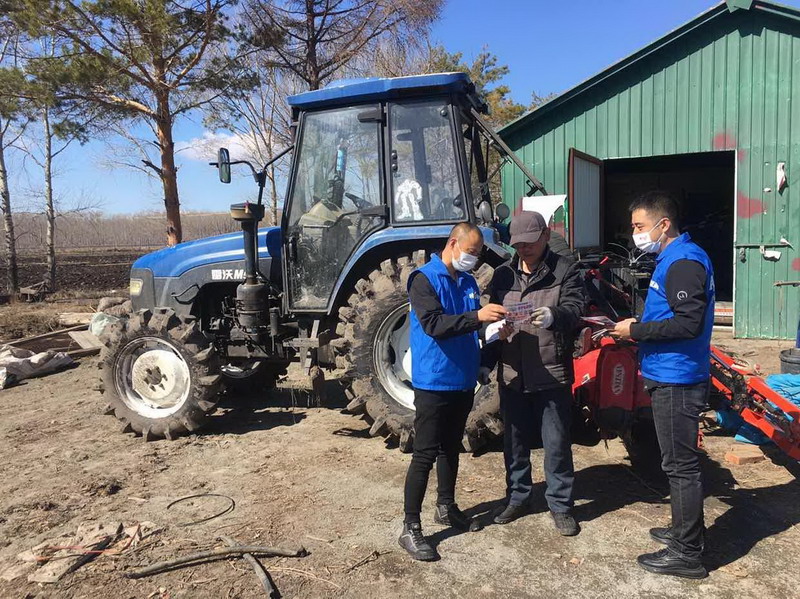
(373, 346)
(159, 373)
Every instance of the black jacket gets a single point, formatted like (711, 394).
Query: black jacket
(537, 359)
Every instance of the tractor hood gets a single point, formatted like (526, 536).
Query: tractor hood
(174, 261)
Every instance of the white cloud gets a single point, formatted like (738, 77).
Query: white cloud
(204, 148)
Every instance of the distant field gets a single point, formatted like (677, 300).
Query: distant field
(79, 270)
(95, 251)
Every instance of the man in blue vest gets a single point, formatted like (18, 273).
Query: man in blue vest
(445, 357)
(674, 338)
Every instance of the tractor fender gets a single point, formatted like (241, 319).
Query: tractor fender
(394, 241)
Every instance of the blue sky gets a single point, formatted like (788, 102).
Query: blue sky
(548, 45)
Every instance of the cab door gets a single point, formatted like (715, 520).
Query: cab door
(335, 200)
(585, 197)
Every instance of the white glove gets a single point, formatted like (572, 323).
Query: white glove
(484, 375)
(542, 318)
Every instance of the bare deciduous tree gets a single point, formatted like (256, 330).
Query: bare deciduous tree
(316, 39)
(12, 125)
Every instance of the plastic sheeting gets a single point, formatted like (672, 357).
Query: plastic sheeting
(17, 364)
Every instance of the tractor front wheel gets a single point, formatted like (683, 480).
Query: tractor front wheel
(159, 373)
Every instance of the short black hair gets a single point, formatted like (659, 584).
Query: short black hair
(658, 204)
(462, 229)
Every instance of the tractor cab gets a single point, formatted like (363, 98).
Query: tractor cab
(374, 155)
(371, 154)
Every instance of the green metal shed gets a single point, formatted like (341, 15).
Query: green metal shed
(710, 111)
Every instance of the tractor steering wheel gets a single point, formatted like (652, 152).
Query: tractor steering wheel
(359, 202)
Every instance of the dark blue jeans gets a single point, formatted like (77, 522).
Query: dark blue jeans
(676, 412)
(540, 419)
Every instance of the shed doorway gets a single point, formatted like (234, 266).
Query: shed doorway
(703, 183)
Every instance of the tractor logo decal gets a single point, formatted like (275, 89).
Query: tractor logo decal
(227, 274)
(618, 379)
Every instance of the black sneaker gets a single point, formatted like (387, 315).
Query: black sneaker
(413, 541)
(510, 513)
(565, 524)
(666, 562)
(661, 535)
(450, 515)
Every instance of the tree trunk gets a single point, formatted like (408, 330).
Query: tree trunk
(50, 212)
(169, 174)
(12, 279)
(312, 68)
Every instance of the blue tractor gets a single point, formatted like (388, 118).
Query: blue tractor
(382, 169)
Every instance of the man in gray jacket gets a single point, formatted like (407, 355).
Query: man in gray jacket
(534, 359)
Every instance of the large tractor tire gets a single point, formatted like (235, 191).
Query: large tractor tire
(159, 373)
(373, 346)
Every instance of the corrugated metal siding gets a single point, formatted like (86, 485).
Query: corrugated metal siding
(727, 86)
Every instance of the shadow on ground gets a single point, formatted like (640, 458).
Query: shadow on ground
(753, 515)
(261, 410)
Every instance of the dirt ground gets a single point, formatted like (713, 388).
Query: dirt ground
(313, 476)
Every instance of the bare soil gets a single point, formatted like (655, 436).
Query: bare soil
(313, 476)
(78, 270)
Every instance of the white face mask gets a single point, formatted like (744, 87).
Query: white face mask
(645, 243)
(465, 262)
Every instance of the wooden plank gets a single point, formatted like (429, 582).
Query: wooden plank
(18, 342)
(68, 319)
(81, 353)
(86, 339)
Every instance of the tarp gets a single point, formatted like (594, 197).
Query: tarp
(17, 364)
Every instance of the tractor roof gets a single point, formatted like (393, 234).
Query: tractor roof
(351, 91)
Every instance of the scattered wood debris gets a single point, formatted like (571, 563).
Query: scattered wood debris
(51, 560)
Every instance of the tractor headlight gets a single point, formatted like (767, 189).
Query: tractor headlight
(136, 287)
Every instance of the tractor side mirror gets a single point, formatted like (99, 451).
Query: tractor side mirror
(224, 165)
(502, 211)
(485, 212)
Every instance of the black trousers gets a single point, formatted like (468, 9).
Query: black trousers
(540, 419)
(676, 413)
(438, 430)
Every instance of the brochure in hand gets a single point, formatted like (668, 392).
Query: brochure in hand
(519, 312)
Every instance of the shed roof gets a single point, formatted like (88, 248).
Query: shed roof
(713, 14)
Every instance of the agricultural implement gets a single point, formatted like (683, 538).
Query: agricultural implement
(382, 169)
(609, 390)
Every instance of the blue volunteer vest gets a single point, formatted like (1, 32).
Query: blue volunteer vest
(445, 364)
(684, 361)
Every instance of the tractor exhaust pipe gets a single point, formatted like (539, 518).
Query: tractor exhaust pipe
(252, 301)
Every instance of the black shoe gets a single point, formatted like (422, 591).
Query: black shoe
(565, 524)
(450, 515)
(661, 535)
(511, 512)
(666, 562)
(413, 541)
